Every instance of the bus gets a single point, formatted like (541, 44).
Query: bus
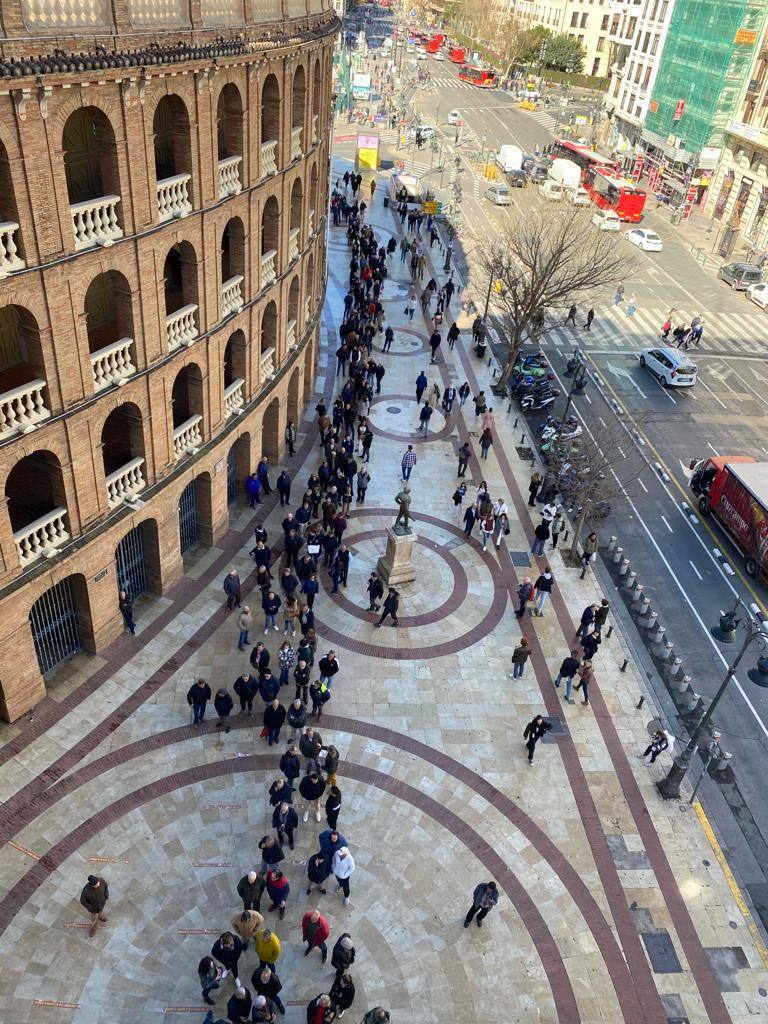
(584, 158)
(457, 54)
(610, 191)
(481, 77)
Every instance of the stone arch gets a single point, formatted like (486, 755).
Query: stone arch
(229, 122)
(232, 250)
(138, 568)
(22, 362)
(90, 156)
(61, 624)
(171, 137)
(270, 110)
(270, 431)
(36, 503)
(268, 339)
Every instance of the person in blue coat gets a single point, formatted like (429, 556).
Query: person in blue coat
(330, 841)
(269, 687)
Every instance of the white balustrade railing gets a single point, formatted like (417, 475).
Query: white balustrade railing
(268, 158)
(314, 129)
(9, 248)
(290, 334)
(229, 176)
(181, 327)
(94, 222)
(125, 483)
(267, 364)
(232, 294)
(22, 408)
(268, 268)
(187, 437)
(311, 222)
(234, 398)
(173, 197)
(293, 243)
(112, 364)
(43, 537)
(296, 134)
(307, 309)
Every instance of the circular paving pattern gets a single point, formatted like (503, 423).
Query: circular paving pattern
(408, 341)
(403, 417)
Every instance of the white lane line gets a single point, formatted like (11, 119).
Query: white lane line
(588, 399)
(603, 424)
(704, 384)
(748, 385)
(663, 519)
(642, 485)
(695, 570)
(713, 450)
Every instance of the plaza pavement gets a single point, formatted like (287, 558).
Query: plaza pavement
(613, 904)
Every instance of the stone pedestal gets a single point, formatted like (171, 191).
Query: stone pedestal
(396, 566)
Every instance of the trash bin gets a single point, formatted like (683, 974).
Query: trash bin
(480, 348)
(386, 202)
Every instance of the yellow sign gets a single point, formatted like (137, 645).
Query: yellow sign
(429, 208)
(498, 285)
(368, 158)
(745, 36)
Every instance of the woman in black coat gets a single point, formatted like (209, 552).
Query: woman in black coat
(342, 993)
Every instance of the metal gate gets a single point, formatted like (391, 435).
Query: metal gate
(53, 620)
(188, 517)
(131, 567)
(232, 475)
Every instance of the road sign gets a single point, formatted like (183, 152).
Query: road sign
(429, 207)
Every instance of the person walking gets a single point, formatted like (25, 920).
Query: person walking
(425, 413)
(587, 620)
(244, 623)
(601, 614)
(342, 866)
(421, 386)
(311, 788)
(586, 676)
(533, 732)
(125, 604)
(267, 946)
(486, 527)
(375, 590)
(253, 490)
(470, 515)
(618, 298)
(557, 527)
(458, 499)
(283, 486)
(543, 588)
(464, 393)
(571, 318)
(590, 642)
(484, 899)
(589, 549)
(93, 898)
(222, 702)
(658, 743)
(342, 993)
(408, 462)
(465, 454)
(250, 889)
(520, 655)
(524, 593)
(314, 931)
(198, 696)
(231, 587)
(228, 949)
(631, 306)
(391, 604)
(343, 955)
(568, 670)
(590, 318)
(486, 440)
(266, 983)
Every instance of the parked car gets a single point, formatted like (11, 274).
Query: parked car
(551, 190)
(606, 220)
(740, 275)
(578, 196)
(670, 366)
(758, 293)
(421, 55)
(644, 239)
(426, 131)
(499, 195)
(516, 179)
(454, 117)
(438, 55)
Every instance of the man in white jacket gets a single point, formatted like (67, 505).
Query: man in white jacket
(342, 866)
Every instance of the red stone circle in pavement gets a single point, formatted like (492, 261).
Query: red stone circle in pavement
(411, 437)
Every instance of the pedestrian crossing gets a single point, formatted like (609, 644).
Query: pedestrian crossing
(544, 119)
(741, 334)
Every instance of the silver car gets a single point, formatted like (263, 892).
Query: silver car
(499, 195)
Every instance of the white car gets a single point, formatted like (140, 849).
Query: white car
(425, 130)
(646, 240)
(421, 55)
(606, 220)
(758, 293)
(454, 117)
(578, 196)
(670, 367)
(439, 56)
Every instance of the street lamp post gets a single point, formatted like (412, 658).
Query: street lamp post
(755, 629)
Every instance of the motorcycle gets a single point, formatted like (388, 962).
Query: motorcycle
(529, 402)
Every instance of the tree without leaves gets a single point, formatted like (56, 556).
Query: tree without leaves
(543, 263)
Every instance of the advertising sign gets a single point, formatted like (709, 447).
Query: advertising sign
(367, 153)
(745, 518)
(679, 108)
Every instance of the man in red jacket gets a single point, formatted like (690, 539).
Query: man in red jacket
(314, 931)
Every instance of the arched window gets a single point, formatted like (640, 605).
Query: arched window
(109, 321)
(270, 126)
(232, 266)
(93, 180)
(37, 506)
(180, 287)
(122, 449)
(270, 241)
(298, 104)
(173, 158)
(229, 123)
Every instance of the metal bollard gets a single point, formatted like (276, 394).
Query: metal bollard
(673, 669)
(617, 555)
(659, 647)
(658, 633)
(669, 651)
(648, 621)
(624, 568)
(624, 665)
(630, 579)
(641, 604)
(723, 761)
(514, 425)
(692, 702)
(522, 440)
(684, 685)
(612, 542)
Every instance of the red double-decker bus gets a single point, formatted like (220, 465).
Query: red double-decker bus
(478, 76)
(584, 158)
(610, 191)
(457, 54)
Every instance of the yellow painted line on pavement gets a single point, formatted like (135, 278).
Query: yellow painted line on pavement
(673, 480)
(733, 885)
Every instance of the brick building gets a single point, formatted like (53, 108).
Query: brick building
(163, 189)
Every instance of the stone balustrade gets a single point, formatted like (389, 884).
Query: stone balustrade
(173, 197)
(268, 267)
(181, 327)
(126, 482)
(42, 537)
(232, 295)
(311, 222)
(94, 222)
(22, 408)
(234, 398)
(112, 364)
(307, 310)
(290, 334)
(188, 436)
(9, 248)
(293, 244)
(268, 158)
(267, 364)
(229, 176)
(314, 129)
(296, 134)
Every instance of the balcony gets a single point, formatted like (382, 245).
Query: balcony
(314, 129)
(229, 177)
(112, 364)
(268, 158)
(293, 244)
(22, 408)
(268, 268)
(232, 294)
(41, 538)
(749, 132)
(296, 134)
(267, 365)
(9, 249)
(234, 398)
(181, 327)
(173, 197)
(125, 483)
(311, 222)
(290, 334)
(187, 437)
(94, 222)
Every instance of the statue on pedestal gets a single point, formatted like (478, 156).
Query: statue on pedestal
(403, 499)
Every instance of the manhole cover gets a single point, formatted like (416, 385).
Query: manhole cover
(521, 558)
(394, 409)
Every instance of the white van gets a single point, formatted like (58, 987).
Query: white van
(509, 158)
(551, 190)
(606, 220)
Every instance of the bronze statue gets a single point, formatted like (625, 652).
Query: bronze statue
(403, 499)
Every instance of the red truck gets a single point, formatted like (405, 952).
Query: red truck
(734, 491)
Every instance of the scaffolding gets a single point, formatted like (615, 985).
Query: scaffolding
(707, 56)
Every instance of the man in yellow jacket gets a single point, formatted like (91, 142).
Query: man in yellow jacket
(267, 947)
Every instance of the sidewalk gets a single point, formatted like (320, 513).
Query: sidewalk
(613, 906)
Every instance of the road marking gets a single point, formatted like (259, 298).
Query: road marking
(588, 399)
(663, 519)
(695, 570)
(603, 423)
(748, 385)
(704, 384)
(716, 452)
(642, 485)
(623, 374)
